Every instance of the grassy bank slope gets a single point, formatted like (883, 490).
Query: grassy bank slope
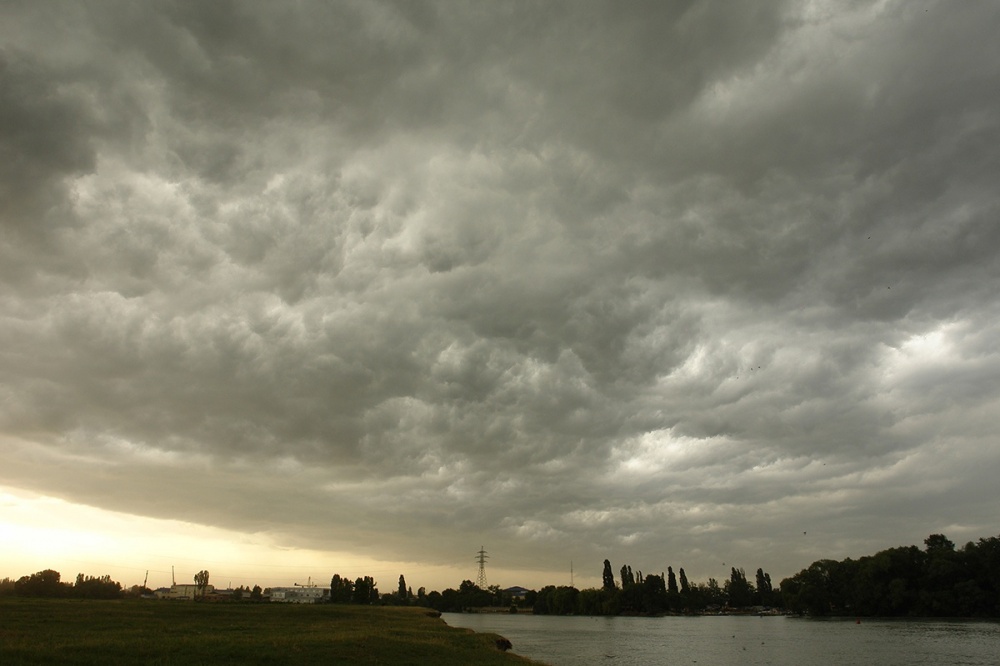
(44, 631)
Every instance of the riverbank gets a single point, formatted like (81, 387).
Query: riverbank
(46, 631)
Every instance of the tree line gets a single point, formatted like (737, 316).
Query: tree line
(364, 590)
(939, 580)
(48, 583)
(635, 593)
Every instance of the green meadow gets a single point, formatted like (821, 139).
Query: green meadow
(61, 631)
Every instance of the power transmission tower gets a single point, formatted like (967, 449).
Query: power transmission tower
(481, 557)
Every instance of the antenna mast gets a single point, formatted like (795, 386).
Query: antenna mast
(481, 557)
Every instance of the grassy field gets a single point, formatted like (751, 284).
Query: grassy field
(50, 631)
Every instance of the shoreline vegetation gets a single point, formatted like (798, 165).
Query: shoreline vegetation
(95, 621)
(137, 631)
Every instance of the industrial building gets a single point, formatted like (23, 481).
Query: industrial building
(300, 594)
(183, 592)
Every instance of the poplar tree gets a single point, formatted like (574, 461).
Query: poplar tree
(201, 580)
(628, 578)
(609, 577)
(738, 589)
(341, 590)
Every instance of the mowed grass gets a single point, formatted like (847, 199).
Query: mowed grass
(56, 631)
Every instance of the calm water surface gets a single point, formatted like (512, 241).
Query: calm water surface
(725, 640)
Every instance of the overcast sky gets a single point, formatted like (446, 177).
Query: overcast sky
(678, 284)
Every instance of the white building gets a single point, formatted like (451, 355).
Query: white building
(183, 592)
(299, 595)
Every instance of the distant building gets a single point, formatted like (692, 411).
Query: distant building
(183, 591)
(220, 595)
(299, 595)
(517, 593)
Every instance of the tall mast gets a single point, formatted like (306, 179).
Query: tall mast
(481, 557)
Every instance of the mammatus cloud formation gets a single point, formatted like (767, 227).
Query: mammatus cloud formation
(670, 283)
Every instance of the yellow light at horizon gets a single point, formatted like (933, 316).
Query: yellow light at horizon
(40, 532)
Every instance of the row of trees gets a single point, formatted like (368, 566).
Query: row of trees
(939, 580)
(48, 583)
(656, 593)
(637, 594)
(904, 581)
(468, 595)
(634, 594)
(361, 591)
(365, 591)
(247, 593)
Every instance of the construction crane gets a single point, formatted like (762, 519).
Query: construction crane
(308, 583)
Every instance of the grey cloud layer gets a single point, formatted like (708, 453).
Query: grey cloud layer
(657, 282)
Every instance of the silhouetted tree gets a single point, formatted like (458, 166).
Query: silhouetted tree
(89, 587)
(42, 584)
(685, 588)
(810, 590)
(201, 580)
(711, 593)
(472, 596)
(671, 581)
(552, 600)
(763, 581)
(435, 600)
(765, 593)
(609, 577)
(365, 591)
(341, 590)
(498, 597)
(402, 588)
(938, 543)
(738, 591)
(654, 594)
(597, 601)
(628, 578)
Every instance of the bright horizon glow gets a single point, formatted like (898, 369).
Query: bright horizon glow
(41, 532)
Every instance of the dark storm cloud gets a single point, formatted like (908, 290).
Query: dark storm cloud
(652, 282)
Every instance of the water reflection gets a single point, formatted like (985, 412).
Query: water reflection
(725, 640)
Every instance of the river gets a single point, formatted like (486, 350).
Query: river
(740, 640)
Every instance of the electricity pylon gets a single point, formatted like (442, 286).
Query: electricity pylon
(481, 557)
